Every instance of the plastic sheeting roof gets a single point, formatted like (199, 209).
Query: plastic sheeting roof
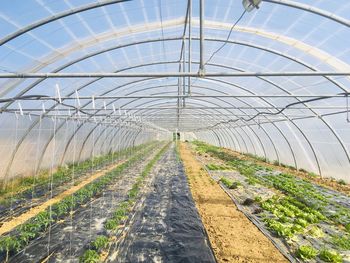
(302, 121)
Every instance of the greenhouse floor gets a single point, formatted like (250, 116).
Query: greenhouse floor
(178, 203)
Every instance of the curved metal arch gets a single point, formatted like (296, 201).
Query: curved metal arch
(87, 7)
(234, 127)
(244, 131)
(330, 127)
(33, 125)
(277, 155)
(246, 44)
(344, 148)
(311, 9)
(56, 17)
(295, 60)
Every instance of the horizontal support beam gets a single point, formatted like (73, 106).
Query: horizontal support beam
(184, 96)
(183, 109)
(171, 74)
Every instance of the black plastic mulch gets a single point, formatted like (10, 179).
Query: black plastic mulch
(167, 227)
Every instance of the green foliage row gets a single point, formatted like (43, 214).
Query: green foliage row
(307, 253)
(38, 224)
(216, 167)
(303, 206)
(301, 190)
(92, 255)
(291, 215)
(64, 173)
(229, 183)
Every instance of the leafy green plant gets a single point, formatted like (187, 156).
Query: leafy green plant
(229, 184)
(100, 243)
(258, 199)
(347, 227)
(90, 256)
(111, 224)
(330, 256)
(316, 232)
(279, 228)
(9, 244)
(306, 252)
(342, 242)
(301, 222)
(341, 182)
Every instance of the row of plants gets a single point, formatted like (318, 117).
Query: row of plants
(302, 190)
(24, 233)
(20, 186)
(299, 208)
(120, 215)
(307, 253)
(216, 167)
(290, 216)
(229, 183)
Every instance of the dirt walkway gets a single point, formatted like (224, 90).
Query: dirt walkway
(13, 223)
(233, 237)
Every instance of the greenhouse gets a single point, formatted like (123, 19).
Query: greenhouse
(175, 131)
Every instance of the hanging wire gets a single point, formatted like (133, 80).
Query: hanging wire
(13, 181)
(274, 113)
(224, 44)
(72, 185)
(347, 109)
(36, 169)
(227, 38)
(51, 184)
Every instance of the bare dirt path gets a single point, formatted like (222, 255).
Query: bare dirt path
(233, 237)
(16, 221)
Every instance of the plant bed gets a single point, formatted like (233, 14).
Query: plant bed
(82, 203)
(299, 216)
(37, 191)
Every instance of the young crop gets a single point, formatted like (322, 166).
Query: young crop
(347, 227)
(330, 256)
(229, 184)
(111, 224)
(280, 229)
(316, 232)
(90, 256)
(301, 222)
(9, 244)
(100, 243)
(342, 242)
(306, 252)
(31, 229)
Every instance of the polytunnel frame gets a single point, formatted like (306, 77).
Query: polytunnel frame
(208, 39)
(77, 10)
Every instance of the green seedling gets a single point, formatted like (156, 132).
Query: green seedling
(306, 252)
(330, 256)
(100, 243)
(90, 256)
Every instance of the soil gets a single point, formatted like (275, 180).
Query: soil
(16, 221)
(325, 182)
(233, 237)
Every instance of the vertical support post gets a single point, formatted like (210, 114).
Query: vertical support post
(189, 43)
(201, 38)
(183, 70)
